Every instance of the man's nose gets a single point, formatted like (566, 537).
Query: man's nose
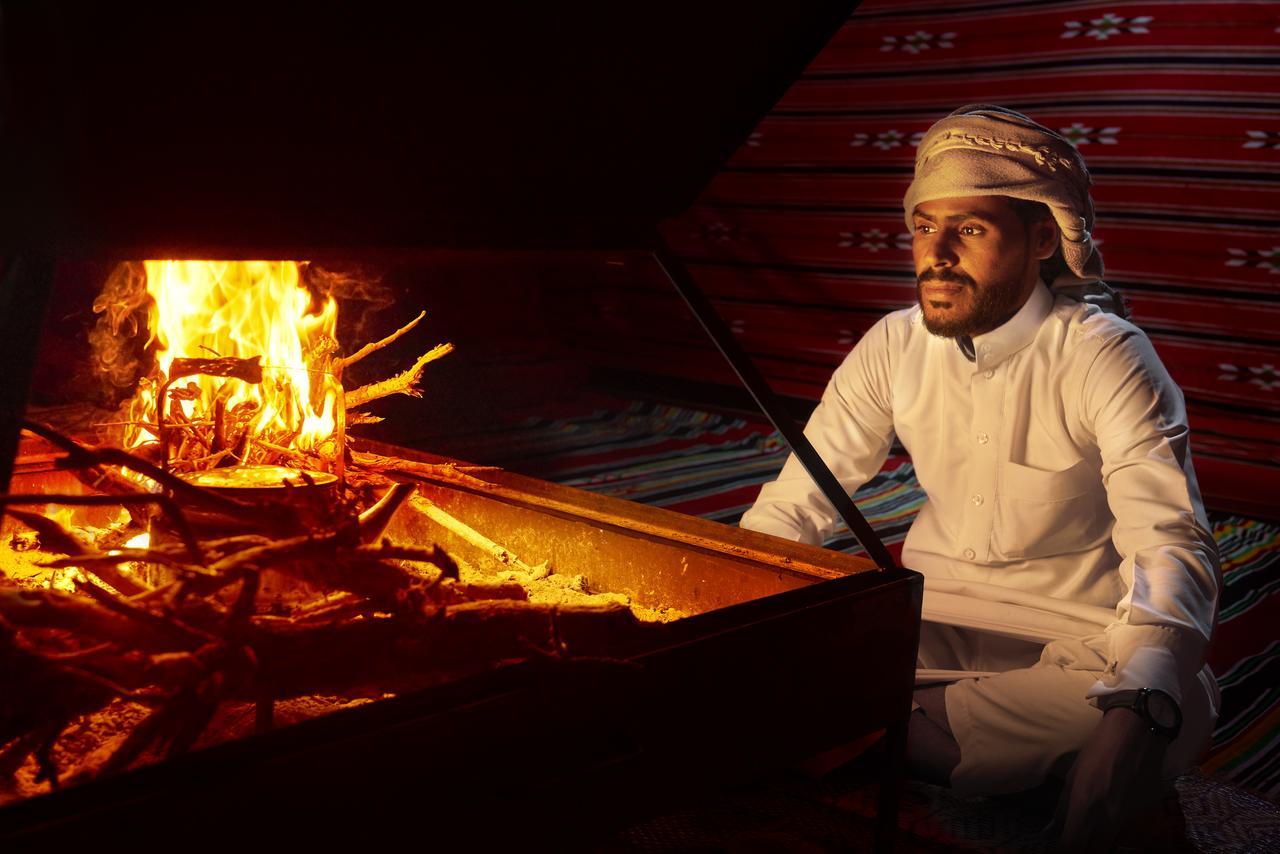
(941, 251)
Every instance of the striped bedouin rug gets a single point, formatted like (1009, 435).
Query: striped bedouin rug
(712, 465)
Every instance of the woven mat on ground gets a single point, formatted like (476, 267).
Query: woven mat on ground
(793, 813)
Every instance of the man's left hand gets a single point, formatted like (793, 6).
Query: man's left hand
(1114, 778)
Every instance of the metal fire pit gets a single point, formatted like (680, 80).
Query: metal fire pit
(789, 651)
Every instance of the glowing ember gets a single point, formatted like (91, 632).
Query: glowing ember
(218, 310)
(139, 541)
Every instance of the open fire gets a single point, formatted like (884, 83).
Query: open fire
(245, 364)
(227, 550)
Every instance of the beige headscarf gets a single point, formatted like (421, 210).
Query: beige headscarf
(983, 150)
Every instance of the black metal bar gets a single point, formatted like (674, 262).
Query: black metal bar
(768, 401)
(24, 296)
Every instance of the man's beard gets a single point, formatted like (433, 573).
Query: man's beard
(989, 307)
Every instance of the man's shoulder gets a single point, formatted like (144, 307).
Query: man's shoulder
(1089, 339)
(1081, 324)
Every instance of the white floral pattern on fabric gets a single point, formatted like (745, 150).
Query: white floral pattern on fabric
(1103, 28)
(915, 42)
(1079, 134)
(1262, 139)
(1265, 376)
(873, 240)
(885, 140)
(1262, 259)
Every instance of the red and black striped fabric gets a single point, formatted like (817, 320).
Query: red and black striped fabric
(1176, 107)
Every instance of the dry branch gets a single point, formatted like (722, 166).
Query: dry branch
(342, 363)
(441, 471)
(355, 419)
(405, 382)
(53, 536)
(470, 535)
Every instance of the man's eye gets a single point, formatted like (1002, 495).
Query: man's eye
(970, 230)
(924, 228)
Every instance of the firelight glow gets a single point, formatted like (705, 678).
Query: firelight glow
(243, 309)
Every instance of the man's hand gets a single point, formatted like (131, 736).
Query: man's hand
(1115, 778)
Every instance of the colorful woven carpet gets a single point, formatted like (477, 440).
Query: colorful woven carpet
(712, 465)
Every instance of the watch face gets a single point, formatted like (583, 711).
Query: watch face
(1162, 709)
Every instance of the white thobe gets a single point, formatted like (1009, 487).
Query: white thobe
(1057, 471)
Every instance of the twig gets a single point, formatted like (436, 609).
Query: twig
(405, 382)
(438, 471)
(459, 528)
(166, 504)
(343, 362)
(169, 625)
(53, 536)
(78, 456)
(118, 556)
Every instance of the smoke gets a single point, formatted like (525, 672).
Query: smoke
(361, 294)
(118, 347)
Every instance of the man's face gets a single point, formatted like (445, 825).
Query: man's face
(976, 262)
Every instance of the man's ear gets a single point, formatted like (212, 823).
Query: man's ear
(1044, 238)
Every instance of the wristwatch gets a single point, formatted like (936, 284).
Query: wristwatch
(1154, 706)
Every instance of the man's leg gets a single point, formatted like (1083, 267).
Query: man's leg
(1017, 728)
(932, 752)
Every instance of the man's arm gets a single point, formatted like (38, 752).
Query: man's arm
(1171, 575)
(1169, 564)
(852, 430)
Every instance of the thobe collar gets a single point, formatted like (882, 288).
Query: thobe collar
(992, 348)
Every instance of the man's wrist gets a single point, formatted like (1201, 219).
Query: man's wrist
(1155, 708)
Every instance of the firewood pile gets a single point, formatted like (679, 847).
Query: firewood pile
(178, 628)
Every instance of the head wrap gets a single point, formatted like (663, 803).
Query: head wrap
(983, 150)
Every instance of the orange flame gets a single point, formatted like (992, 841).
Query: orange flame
(243, 309)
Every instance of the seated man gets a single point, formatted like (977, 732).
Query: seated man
(1054, 451)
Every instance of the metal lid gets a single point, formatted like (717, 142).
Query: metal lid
(257, 477)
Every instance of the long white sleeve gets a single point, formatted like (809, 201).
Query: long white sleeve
(1169, 564)
(852, 430)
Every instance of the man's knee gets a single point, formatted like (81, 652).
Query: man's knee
(933, 702)
(932, 751)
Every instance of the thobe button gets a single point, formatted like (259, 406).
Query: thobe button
(969, 554)
(986, 348)
(989, 374)
(976, 499)
(983, 438)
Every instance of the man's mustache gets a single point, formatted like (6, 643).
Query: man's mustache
(950, 277)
